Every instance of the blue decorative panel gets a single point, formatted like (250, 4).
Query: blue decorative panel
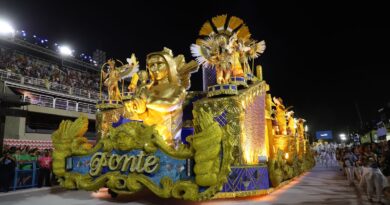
(123, 120)
(221, 119)
(174, 168)
(247, 179)
(185, 132)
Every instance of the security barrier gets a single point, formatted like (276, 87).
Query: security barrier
(25, 178)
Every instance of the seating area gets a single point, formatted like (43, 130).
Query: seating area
(28, 70)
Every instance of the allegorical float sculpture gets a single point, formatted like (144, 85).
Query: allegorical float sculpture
(226, 141)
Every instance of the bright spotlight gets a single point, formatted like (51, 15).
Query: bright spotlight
(343, 137)
(65, 50)
(6, 28)
(306, 128)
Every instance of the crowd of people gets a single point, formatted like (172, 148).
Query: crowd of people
(23, 64)
(23, 160)
(366, 166)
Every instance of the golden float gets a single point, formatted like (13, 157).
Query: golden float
(230, 140)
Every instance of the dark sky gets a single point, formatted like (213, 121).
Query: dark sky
(321, 58)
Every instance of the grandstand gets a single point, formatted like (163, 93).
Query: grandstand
(54, 86)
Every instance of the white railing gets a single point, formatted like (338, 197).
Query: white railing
(44, 84)
(58, 103)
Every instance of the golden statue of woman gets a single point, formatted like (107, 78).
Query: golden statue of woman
(161, 102)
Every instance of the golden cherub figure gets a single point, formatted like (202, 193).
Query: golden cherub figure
(115, 74)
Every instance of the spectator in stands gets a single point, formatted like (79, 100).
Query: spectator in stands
(16, 154)
(25, 163)
(34, 154)
(45, 163)
(7, 170)
(17, 63)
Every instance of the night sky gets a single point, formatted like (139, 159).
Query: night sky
(324, 59)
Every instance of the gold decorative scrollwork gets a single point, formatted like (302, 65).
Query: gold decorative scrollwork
(68, 141)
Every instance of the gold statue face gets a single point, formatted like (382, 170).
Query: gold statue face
(158, 67)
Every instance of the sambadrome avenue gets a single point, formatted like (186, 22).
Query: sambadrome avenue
(194, 102)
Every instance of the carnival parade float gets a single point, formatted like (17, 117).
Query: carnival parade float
(231, 140)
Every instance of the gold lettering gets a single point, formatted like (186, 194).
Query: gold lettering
(151, 164)
(139, 163)
(113, 162)
(128, 159)
(98, 160)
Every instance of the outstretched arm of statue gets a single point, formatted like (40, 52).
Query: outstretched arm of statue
(166, 104)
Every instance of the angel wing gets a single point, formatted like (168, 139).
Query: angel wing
(205, 51)
(244, 48)
(201, 55)
(131, 68)
(257, 49)
(185, 70)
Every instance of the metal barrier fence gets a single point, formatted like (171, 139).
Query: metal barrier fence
(44, 84)
(25, 178)
(58, 103)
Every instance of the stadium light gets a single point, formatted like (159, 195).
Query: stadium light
(65, 50)
(306, 128)
(343, 137)
(6, 28)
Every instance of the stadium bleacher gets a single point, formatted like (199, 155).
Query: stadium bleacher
(43, 78)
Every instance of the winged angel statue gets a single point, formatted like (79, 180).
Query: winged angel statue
(115, 74)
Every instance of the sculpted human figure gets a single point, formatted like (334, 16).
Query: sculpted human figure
(111, 81)
(115, 74)
(280, 115)
(291, 125)
(160, 102)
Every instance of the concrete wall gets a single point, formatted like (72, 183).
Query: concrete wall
(36, 136)
(14, 127)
